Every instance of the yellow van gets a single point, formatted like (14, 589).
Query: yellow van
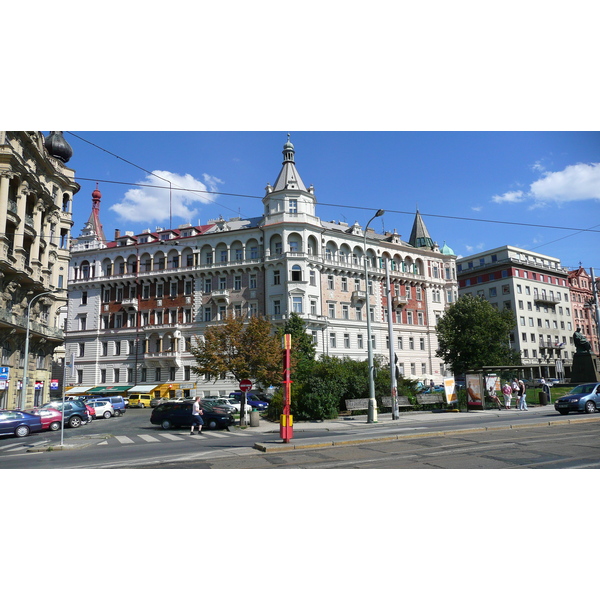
(140, 400)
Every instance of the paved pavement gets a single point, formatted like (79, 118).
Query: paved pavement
(409, 425)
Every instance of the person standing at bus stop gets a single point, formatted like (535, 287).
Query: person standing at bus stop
(197, 416)
(522, 396)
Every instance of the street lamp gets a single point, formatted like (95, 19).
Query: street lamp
(372, 411)
(26, 364)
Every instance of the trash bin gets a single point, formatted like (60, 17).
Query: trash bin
(254, 418)
(543, 397)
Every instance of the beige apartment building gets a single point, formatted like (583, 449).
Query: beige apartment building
(36, 195)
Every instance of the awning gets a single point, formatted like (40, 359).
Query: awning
(142, 389)
(82, 389)
(109, 389)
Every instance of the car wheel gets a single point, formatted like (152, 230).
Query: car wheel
(166, 424)
(75, 421)
(590, 407)
(117, 413)
(563, 412)
(141, 405)
(22, 431)
(107, 415)
(212, 424)
(55, 426)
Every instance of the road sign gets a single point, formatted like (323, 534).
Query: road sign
(245, 385)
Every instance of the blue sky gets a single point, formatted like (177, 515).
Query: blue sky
(535, 178)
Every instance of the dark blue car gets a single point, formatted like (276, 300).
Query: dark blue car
(18, 423)
(251, 399)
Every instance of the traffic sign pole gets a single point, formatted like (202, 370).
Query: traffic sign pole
(286, 427)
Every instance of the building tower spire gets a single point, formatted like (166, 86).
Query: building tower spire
(419, 236)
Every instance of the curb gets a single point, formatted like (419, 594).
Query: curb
(281, 447)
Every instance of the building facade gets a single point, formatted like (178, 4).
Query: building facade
(583, 305)
(137, 302)
(536, 288)
(36, 195)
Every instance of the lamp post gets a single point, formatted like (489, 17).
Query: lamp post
(26, 363)
(372, 411)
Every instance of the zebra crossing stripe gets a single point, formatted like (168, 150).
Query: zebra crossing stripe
(124, 439)
(148, 438)
(170, 436)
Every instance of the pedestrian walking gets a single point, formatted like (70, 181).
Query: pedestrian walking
(522, 396)
(197, 416)
(507, 393)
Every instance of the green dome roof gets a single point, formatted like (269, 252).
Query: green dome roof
(447, 250)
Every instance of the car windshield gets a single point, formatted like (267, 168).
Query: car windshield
(586, 388)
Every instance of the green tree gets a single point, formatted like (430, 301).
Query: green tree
(246, 349)
(472, 333)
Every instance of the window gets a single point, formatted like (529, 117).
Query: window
(346, 340)
(276, 278)
(116, 376)
(357, 285)
(207, 286)
(144, 375)
(79, 376)
(173, 289)
(159, 290)
(187, 373)
(293, 206)
(296, 273)
(329, 282)
(421, 343)
(117, 348)
(102, 375)
(332, 340)
(373, 343)
(84, 297)
(345, 312)
(222, 283)
(254, 252)
(423, 368)
(313, 307)
(506, 289)
(129, 375)
(420, 318)
(313, 279)
(297, 304)
(411, 343)
(493, 293)
(81, 349)
(157, 374)
(419, 293)
(344, 284)
(276, 307)
(82, 323)
(399, 343)
(207, 313)
(359, 341)
(409, 317)
(252, 282)
(104, 349)
(331, 310)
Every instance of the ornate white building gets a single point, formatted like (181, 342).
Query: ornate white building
(136, 302)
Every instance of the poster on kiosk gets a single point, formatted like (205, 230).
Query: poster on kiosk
(474, 391)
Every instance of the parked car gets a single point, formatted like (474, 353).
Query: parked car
(51, 418)
(217, 406)
(583, 397)
(118, 403)
(19, 423)
(102, 408)
(179, 414)
(237, 403)
(157, 401)
(76, 412)
(251, 400)
(139, 400)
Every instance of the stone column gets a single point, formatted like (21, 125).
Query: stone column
(37, 224)
(4, 184)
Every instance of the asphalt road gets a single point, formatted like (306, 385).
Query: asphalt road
(132, 442)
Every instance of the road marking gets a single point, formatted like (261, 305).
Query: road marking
(170, 436)
(11, 445)
(148, 438)
(124, 439)
(24, 446)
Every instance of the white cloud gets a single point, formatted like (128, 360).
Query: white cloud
(511, 197)
(574, 183)
(155, 204)
(476, 208)
(480, 246)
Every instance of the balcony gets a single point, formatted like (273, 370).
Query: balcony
(168, 358)
(130, 302)
(358, 297)
(400, 300)
(220, 295)
(544, 299)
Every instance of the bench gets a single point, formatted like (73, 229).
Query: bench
(401, 402)
(363, 403)
(430, 399)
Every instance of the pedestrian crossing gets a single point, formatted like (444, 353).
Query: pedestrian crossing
(172, 437)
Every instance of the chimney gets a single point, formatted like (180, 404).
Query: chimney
(117, 234)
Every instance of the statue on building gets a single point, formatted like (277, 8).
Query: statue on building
(582, 344)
